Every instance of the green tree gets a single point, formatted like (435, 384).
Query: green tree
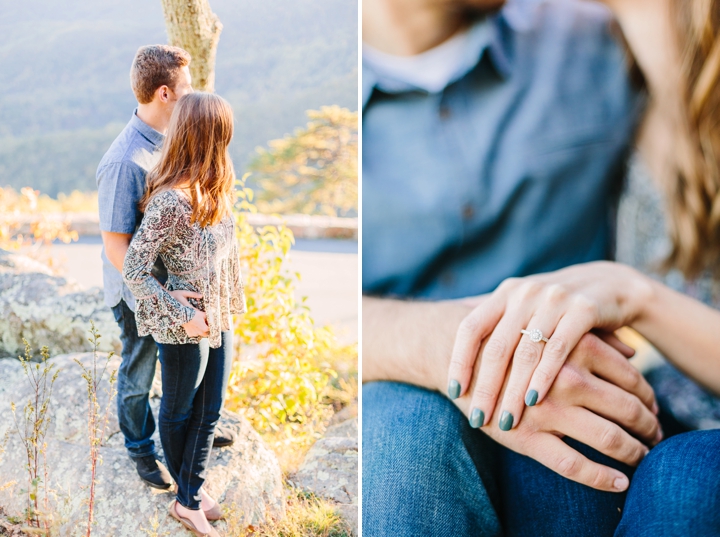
(313, 171)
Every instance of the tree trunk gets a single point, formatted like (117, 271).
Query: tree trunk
(193, 26)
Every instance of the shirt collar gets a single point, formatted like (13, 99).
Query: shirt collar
(489, 33)
(154, 137)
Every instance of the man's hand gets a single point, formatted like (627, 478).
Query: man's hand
(560, 306)
(597, 397)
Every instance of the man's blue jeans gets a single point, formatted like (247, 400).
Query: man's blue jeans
(194, 378)
(426, 472)
(134, 380)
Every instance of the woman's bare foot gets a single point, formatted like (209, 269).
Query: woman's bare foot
(207, 502)
(197, 517)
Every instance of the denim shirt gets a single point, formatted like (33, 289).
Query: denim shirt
(512, 169)
(121, 183)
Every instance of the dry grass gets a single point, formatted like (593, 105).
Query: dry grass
(306, 516)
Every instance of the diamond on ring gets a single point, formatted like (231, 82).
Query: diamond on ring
(535, 335)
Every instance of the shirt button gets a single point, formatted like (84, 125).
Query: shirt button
(468, 211)
(445, 112)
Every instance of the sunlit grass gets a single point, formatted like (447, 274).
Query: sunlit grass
(306, 516)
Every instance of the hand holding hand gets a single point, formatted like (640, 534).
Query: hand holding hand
(562, 305)
(197, 326)
(181, 295)
(599, 399)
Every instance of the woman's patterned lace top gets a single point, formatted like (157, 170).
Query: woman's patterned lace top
(204, 260)
(643, 242)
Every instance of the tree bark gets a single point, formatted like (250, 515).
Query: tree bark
(193, 26)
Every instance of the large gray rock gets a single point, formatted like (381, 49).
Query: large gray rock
(330, 469)
(246, 474)
(46, 309)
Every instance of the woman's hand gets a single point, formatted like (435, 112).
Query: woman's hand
(197, 326)
(564, 305)
(598, 399)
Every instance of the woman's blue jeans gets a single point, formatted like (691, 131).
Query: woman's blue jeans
(194, 378)
(426, 472)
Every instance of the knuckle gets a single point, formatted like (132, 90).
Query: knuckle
(610, 439)
(556, 293)
(633, 411)
(633, 377)
(556, 348)
(545, 378)
(569, 466)
(527, 355)
(469, 326)
(588, 343)
(495, 349)
(599, 480)
(586, 306)
(483, 392)
(512, 394)
(569, 378)
(509, 284)
(459, 362)
(529, 289)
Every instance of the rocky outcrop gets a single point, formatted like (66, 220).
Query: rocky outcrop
(46, 309)
(330, 469)
(245, 475)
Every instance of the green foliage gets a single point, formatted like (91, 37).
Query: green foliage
(280, 380)
(32, 428)
(66, 93)
(313, 171)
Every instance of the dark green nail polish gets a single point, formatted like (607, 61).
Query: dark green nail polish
(506, 421)
(477, 418)
(531, 398)
(453, 389)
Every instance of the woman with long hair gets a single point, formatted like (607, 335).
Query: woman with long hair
(188, 223)
(665, 284)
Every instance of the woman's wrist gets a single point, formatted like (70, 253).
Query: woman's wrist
(641, 292)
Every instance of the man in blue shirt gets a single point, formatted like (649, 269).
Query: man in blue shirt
(493, 142)
(159, 77)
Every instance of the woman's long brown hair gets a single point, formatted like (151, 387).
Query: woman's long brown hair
(694, 197)
(195, 157)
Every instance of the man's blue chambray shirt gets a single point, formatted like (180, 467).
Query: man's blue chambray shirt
(121, 183)
(508, 171)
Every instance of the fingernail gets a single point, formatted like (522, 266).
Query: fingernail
(659, 435)
(477, 418)
(531, 398)
(506, 421)
(621, 483)
(453, 389)
(655, 408)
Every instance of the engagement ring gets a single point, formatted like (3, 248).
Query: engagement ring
(535, 335)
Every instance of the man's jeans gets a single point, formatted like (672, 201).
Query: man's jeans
(135, 377)
(426, 472)
(194, 378)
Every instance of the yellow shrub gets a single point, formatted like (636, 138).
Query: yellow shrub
(279, 380)
(25, 209)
